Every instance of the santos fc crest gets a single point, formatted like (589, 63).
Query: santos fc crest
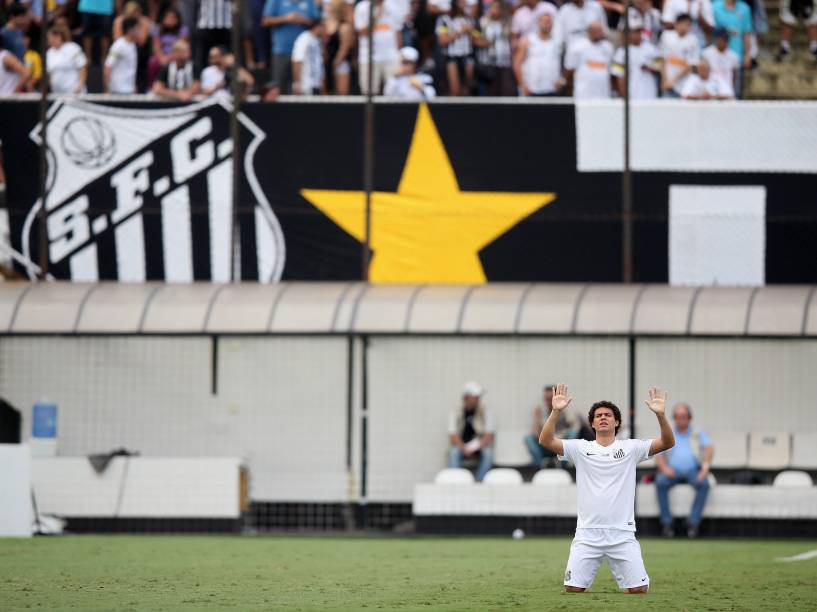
(136, 195)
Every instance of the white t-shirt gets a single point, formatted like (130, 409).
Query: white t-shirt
(8, 78)
(385, 32)
(211, 77)
(722, 64)
(605, 479)
(307, 50)
(715, 86)
(526, 20)
(64, 65)
(643, 83)
(591, 63)
(696, 9)
(122, 60)
(542, 66)
(572, 21)
(678, 52)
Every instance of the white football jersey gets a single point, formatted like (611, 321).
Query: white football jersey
(605, 478)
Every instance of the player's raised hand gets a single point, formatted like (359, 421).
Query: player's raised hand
(560, 400)
(658, 400)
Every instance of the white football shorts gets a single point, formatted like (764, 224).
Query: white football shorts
(622, 551)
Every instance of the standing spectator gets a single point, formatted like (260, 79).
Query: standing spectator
(143, 40)
(537, 66)
(587, 64)
(66, 63)
(643, 12)
(307, 62)
(790, 12)
(97, 21)
(526, 17)
(11, 36)
(645, 67)
(700, 14)
(406, 82)
(471, 431)
(735, 16)
(178, 79)
(567, 428)
(13, 73)
(454, 32)
(494, 55)
(286, 20)
(214, 26)
(723, 62)
(122, 61)
(574, 19)
(679, 52)
(260, 34)
(34, 63)
(386, 43)
(706, 86)
(340, 42)
(164, 34)
(689, 462)
(212, 78)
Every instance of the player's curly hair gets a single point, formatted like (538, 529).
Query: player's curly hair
(604, 404)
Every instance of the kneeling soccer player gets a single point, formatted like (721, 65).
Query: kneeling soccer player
(605, 477)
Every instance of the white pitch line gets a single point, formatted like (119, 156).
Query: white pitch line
(812, 554)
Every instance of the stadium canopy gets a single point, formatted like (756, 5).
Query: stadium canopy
(342, 308)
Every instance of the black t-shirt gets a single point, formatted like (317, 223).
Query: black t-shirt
(175, 77)
(468, 431)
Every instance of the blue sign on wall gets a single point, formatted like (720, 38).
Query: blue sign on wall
(44, 420)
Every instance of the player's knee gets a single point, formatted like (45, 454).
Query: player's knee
(572, 589)
(638, 589)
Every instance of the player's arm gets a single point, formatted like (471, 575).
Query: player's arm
(548, 437)
(657, 403)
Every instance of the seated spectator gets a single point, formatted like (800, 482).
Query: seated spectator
(645, 66)
(790, 12)
(688, 461)
(212, 78)
(97, 22)
(386, 43)
(494, 51)
(537, 62)
(454, 32)
(340, 43)
(13, 73)
(11, 36)
(66, 63)
(286, 19)
(567, 428)
(526, 17)
(706, 86)
(700, 14)
(471, 431)
(163, 34)
(406, 82)
(736, 18)
(723, 62)
(573, 21)
(643, 12)
(178, 79)
(307, 62)
(120, 66)
(680, 53)
(587, 64)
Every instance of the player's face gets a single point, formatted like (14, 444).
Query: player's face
(604, 420)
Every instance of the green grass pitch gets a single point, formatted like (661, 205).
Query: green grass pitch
(307, 573)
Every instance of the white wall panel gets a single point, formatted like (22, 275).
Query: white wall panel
(416, 382)
(731, 384)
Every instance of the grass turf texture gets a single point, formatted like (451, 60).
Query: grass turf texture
(257, 573)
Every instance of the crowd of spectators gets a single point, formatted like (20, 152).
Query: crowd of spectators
(696, 49)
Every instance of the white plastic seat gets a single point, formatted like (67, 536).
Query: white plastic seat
(731, 450)
(502, 476)
(509, 447)
(551, 477)
(769, 450)
(793, 479)
(804, 451)
(454, 476)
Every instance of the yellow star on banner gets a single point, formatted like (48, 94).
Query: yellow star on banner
(428, 231)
